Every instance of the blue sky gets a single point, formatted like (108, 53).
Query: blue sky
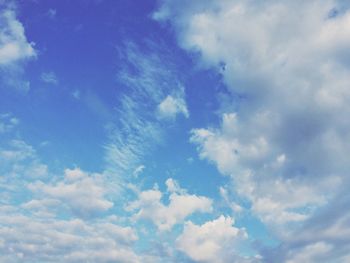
(174, 131)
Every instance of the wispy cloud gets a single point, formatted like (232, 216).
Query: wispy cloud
(51, 13)
(147, 79)
(49, 77)
(7, 122)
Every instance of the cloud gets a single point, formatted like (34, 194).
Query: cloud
(14, 45)
(139, 170)
(15, 50)
(49, 77)
(276, 200)
(172, 106)
(147, 79)
(51, 13)
(29, 239)
(149, 206)
(19, 164)
(7, 122)
(84, 194)
(286, 138)
(76, 94)
(214, 241)
(56, 219)
(322, 238)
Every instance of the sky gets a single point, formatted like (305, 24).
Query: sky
(174, 131)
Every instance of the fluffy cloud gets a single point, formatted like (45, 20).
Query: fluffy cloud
(33, 239)
(19, 165)
(14, 45)
(149, 206)
(276, 200)
(55, 219)
(289, 139)
(14, 49)
(84, 194)
(173, 105)
(214, 241)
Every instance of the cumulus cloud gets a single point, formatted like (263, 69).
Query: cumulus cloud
(84, 194)
(56, 219)
(289, 138)
(33, 239)
(19, 164)
(173, 105)
(150, 206)
(15, 50)
(14, 45)
(276, 200)
(214, 241)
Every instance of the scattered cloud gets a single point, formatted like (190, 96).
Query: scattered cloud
(15, 49)
(20, 162)
(7, 122)
(84, 194)
(289, 200)
(213, 241)
(25, 238)
(137, 131)
(138, 170)
(49, 77)
(149, 206)
(14, 45)
(173, 105)
(284, 143)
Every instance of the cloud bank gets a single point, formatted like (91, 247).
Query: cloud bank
(284, 142)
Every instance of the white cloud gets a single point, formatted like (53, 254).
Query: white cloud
(15, 49)
(310, 253)
(214, 241)
(20, 163)
(14, 45)
(171, 106)
(149, 78)
(149, 206)
(325, 237)
(84, 194)
(49, 78)
(36, 239)
(289, 138)
(139, 170)
(276, 200)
